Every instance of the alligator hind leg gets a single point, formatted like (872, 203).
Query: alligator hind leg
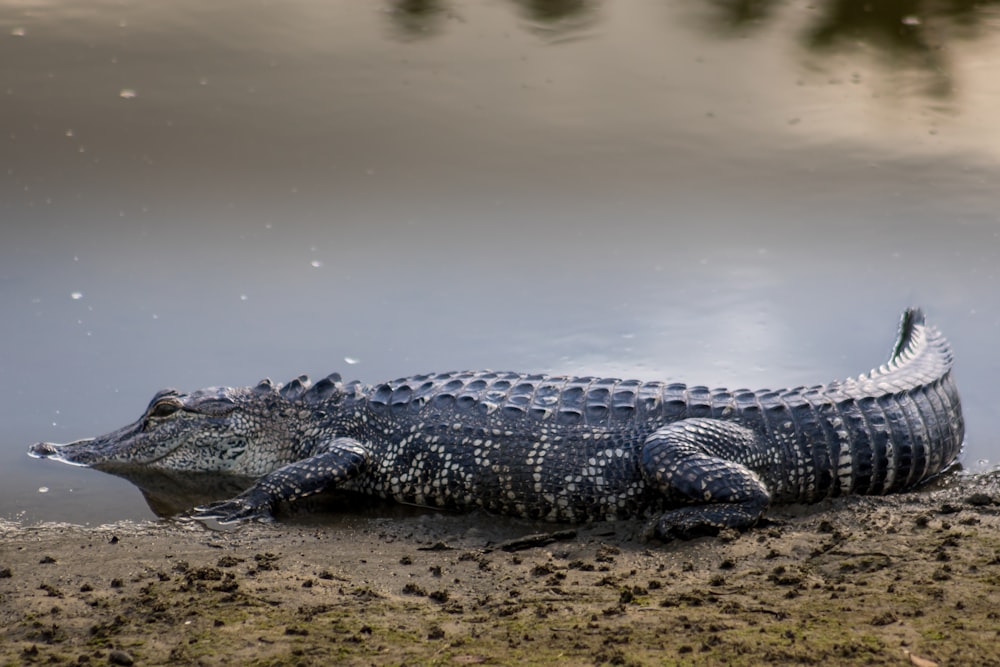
(339, 461)
(699, 464)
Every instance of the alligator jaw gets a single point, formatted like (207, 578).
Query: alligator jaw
(51, 450)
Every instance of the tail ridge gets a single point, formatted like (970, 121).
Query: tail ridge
(912, 318)
(920, 356)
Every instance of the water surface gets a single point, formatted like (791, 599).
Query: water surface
(720, 193)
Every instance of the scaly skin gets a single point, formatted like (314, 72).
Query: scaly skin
(559, 448)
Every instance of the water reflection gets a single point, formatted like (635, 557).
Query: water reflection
(898, 29)
(556, 18)
(415, 19)
(418, 19)
(910, 34)
(548, 11)
(174, 493)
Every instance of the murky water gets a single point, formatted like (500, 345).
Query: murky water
(723, 193)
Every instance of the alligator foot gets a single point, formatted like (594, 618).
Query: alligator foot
(693, 462)
(688, 523)
(252, 505)
(335, 462)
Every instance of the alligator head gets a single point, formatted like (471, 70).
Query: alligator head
(242, 430)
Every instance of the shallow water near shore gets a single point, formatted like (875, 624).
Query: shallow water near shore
(194, 196)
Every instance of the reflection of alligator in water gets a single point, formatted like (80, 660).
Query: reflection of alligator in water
(171, 492)
(559, 448)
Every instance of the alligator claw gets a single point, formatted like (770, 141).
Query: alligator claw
(232, 511)
(689, 523)
(662, 530)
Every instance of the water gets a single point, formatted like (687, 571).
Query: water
(720, 193)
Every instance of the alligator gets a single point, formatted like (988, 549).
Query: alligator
(689, 460)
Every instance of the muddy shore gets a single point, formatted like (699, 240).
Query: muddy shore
(909, 579)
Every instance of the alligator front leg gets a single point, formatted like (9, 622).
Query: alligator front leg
(695, 462)
(339, 461)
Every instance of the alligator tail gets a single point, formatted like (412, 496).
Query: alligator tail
(915, 397)
(921, 355)
(900, 424)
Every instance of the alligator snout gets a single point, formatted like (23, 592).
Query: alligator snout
(75, 453)
(43, 450)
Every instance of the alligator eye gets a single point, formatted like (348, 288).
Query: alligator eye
(164, 409)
